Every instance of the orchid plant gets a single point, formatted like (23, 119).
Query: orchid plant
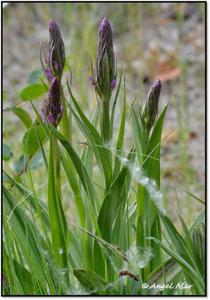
(117, 238)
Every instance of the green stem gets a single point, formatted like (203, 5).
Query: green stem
(66, 120)
(59, 231)
(106, 133)
(105, 120)
(57, 165)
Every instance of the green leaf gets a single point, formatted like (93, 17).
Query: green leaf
(152, 161)
(11, 281)
(33, 91)
(38, 207)
(115, 102)
(167, 270)
(178, 241)
(113, 208)
(194, 276)
(120, 136)
(82, 173)
(192, 195)
(71, 174)
(31, 141)
(30, 241)
(22, 115)
(76, 254)
(102, 154)
(110, 206)
(90, 280)
(58, 222)
(148, 223)
(25, 278)
(88, 154)
(139, 135)
(115, 250)
(7, 153)
(200, 219)
(102, 250)
(187, 237)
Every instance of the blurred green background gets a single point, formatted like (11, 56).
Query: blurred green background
(151, 40)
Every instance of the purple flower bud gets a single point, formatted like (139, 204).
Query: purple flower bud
(151, 106)
(52, 109)
(105, 30)
(105, 62)
(52, 55)
(54, 30)
(56, 49)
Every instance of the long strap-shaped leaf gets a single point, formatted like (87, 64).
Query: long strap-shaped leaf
(120, 135)
(30, 244)
(194, 276)
(110, 206)
(113, 206)
(148, 223)
(179, 243)
(91, 281)
(102, 153)
(39, 206)
(152, 161)
(57, 217)
(83, 175)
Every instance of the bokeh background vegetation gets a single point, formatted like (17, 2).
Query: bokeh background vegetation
(151, 40)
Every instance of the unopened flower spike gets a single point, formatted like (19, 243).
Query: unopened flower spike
(105, 63)
(56, 49)
(52, 108)
(52, 55)
(151, 106)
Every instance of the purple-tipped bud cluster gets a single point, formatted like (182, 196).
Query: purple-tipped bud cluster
(57, 49)
(151, 106)
(52, 108)
(53, 54)
(53, 60)
(105, 63)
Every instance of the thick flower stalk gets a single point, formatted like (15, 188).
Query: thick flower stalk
(105, 63)
(52, 108)
(105, 77)
(151, 107)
